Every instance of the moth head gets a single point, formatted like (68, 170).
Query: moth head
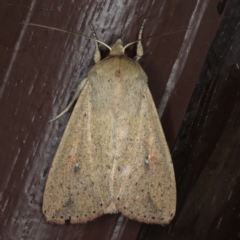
(117, 48)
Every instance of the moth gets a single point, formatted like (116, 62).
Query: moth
(113, 156)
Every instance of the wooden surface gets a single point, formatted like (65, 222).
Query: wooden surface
(40, 69)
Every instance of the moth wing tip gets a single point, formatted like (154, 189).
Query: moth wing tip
(144, 219)
(54, 220)
(86, 219)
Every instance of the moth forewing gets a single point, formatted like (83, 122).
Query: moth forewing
(113, 156)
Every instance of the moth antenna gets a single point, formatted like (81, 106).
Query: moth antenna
(158, 35)
(61, 30)
(139, 51)
(97, 55)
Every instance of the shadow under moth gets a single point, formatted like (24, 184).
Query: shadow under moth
(113, 156)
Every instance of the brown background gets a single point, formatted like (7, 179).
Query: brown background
(40, 68)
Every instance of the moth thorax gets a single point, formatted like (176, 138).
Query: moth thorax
(117, 48)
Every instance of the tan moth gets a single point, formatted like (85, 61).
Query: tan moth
(113, 156)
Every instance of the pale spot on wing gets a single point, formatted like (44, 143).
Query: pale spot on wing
(127, 171)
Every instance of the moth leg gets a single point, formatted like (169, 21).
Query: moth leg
(97, 55)
(75, 97)
(139, 44)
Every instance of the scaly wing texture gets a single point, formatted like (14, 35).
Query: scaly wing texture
(144, 181)
(113, 154)
(77, 187)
